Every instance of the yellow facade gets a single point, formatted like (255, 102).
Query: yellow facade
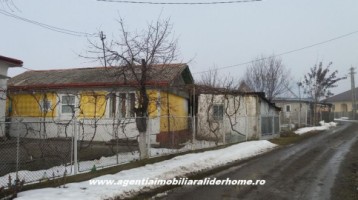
(343, 106)
(30, 105)
(92, 105)
(174, 113)
(153, 110)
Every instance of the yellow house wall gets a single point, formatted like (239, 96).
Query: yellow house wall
(338, 107)
(28, 105)
(153, 110)
(178, 113)
(92, 105)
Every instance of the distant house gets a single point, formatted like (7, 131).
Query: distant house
(99, 95)
(234, 115)
(5, 64)
(342, 103)
(294, 110)
(299, 111)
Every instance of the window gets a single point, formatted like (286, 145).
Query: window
(218, 112)
(131, 104)
(112, 105)
(68, 104)
(288, 108)
(122, 105)
(45, 106)
(344, 107)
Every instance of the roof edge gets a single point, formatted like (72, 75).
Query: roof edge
(12, 61)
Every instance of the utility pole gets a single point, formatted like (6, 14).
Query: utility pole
(103, 37)
(299, 84)
(353, 93)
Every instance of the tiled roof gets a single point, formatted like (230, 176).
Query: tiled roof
(204, 89)
(96, 77)
(283, 99)
(344, 96)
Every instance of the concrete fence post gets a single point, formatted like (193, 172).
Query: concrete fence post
(17, 154)
(273, 125)
(75, 149)
(246, 127)
(223, 130)
(149, 132)
(194, 128)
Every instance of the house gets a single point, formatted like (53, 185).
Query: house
(298, 112)
(233, 115)
(5, 64)
(102, 99)
(342, 103)
(295, 111)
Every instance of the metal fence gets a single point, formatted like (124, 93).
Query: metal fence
(27, 153)
(40, 150)
(270, 125)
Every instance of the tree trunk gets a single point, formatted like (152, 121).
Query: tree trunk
(315, 114)
(143, 149)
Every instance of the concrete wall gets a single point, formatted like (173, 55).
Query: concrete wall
(342, 106)
(3, 87)
(241, 117)
(292, 117)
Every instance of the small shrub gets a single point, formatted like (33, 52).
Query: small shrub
(14, 187)
(94, 169)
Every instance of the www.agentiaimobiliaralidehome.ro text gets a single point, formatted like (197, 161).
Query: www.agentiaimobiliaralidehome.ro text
(176, 181)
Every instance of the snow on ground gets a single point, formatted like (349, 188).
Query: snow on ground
(103, 162)
(324, 126)
(344, 119)
(179, 166)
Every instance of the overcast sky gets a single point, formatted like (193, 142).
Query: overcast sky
(212, 35)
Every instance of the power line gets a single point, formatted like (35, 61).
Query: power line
(49, 27)
(284, 53)
(27, 68)
(180, 3)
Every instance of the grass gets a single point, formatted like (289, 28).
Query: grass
(289, 137)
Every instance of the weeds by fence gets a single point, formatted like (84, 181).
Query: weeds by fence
(35, 151)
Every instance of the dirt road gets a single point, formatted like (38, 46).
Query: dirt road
(305, 170)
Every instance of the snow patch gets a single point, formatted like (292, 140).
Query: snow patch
(179, 166)
(324, 126)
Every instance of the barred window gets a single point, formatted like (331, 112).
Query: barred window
(218, 112)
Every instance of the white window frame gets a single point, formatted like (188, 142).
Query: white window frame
(288, 106)
(127, 103)
(75, 104)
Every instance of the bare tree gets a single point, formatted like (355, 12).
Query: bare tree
(219, 91)
(269, 75)
(318, 82)
(213, 79)
(9, 4)
(137, 56)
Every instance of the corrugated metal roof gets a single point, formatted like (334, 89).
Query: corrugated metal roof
(96, 76)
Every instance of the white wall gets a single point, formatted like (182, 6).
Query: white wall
(3, 87)
(241, 116)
